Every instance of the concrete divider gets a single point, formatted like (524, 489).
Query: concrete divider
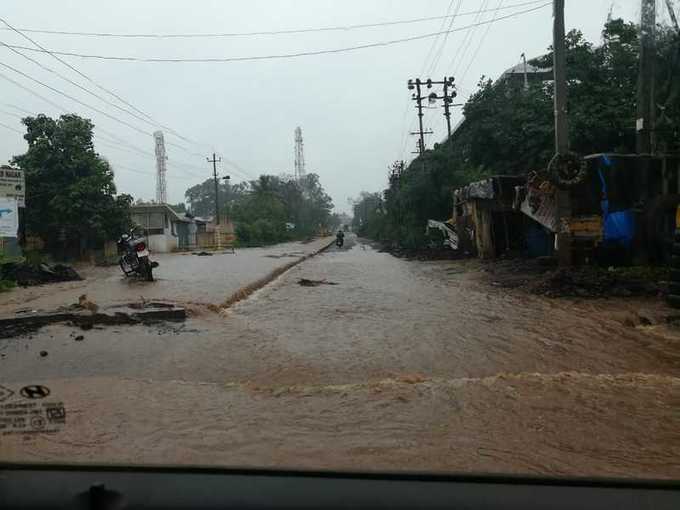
(247, 290)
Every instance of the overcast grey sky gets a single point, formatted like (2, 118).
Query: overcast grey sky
(353, 107)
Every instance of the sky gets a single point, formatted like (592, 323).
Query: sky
(354, 107)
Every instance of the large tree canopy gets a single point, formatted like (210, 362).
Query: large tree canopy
(70, 193)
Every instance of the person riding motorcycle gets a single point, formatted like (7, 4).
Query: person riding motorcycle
(339, 238)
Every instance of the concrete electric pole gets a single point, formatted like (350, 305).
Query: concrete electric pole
(646, 109)
(447, 96)
(214, 161)
(561, 132)
(418, 98)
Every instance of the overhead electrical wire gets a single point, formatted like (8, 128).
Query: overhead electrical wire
(118, 166)
(281, 55)
(481, 42)
(151, 121)
(469, 37)
(339, 28)
(74, 99)
(435, 61)
(102, 112)
(11, 128)
(116, 143)
(78, 85)
(83, 75)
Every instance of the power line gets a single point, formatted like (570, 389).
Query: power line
(52, 54)
(76, 84)
(116, 143)
(82, 103)
(282, 55)
(468, 39)
(438, 55)
(128, 169)
(481, 42)
(102, 112)
(266, 32)
(32, 92)
(11, 128)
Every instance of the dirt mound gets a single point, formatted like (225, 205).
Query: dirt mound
(592, 282)
(537, 277)
(27, 275)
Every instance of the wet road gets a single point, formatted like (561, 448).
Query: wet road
(181, 277)
(399, 366)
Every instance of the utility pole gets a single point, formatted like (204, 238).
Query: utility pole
(526, 76)
(214, 161)
(563, 198)
(560, 76)
(646, 110)
(447, 97)
(448, 83)
(418, 98)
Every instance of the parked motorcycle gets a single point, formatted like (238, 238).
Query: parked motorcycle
(134, 259)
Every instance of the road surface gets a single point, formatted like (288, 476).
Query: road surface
(387, 365)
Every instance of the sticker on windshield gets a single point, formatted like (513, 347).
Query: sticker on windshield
(28, 412)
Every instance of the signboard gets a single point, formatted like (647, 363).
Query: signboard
(9, 217)
(13, 184)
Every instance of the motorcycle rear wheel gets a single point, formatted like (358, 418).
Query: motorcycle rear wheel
(146, 270)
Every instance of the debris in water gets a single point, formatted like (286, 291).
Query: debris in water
(25, 274)
(43, 354)
(314, 283)
(85, 303)
(79, 338)
(203, 254)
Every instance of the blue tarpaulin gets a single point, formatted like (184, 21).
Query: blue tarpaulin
(618, 226)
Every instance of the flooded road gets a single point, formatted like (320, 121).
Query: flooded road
(180, 277)
(385, 365)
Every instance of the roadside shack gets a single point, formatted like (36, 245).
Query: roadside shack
(484, 217)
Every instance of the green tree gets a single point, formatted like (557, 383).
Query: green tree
(70, 193)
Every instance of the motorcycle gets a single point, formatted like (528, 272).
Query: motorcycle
(134, 259)
(339, 241)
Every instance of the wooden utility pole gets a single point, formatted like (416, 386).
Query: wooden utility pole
(214, 161)
(561, 130)
(646, 110)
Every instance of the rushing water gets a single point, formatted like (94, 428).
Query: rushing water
(400, 366)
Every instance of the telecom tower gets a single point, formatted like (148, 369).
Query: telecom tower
(299, 155)
(161, 158)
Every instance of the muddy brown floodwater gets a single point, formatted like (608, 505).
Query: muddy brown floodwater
(401, 365)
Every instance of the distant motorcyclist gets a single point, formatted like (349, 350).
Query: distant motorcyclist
(340, 238)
